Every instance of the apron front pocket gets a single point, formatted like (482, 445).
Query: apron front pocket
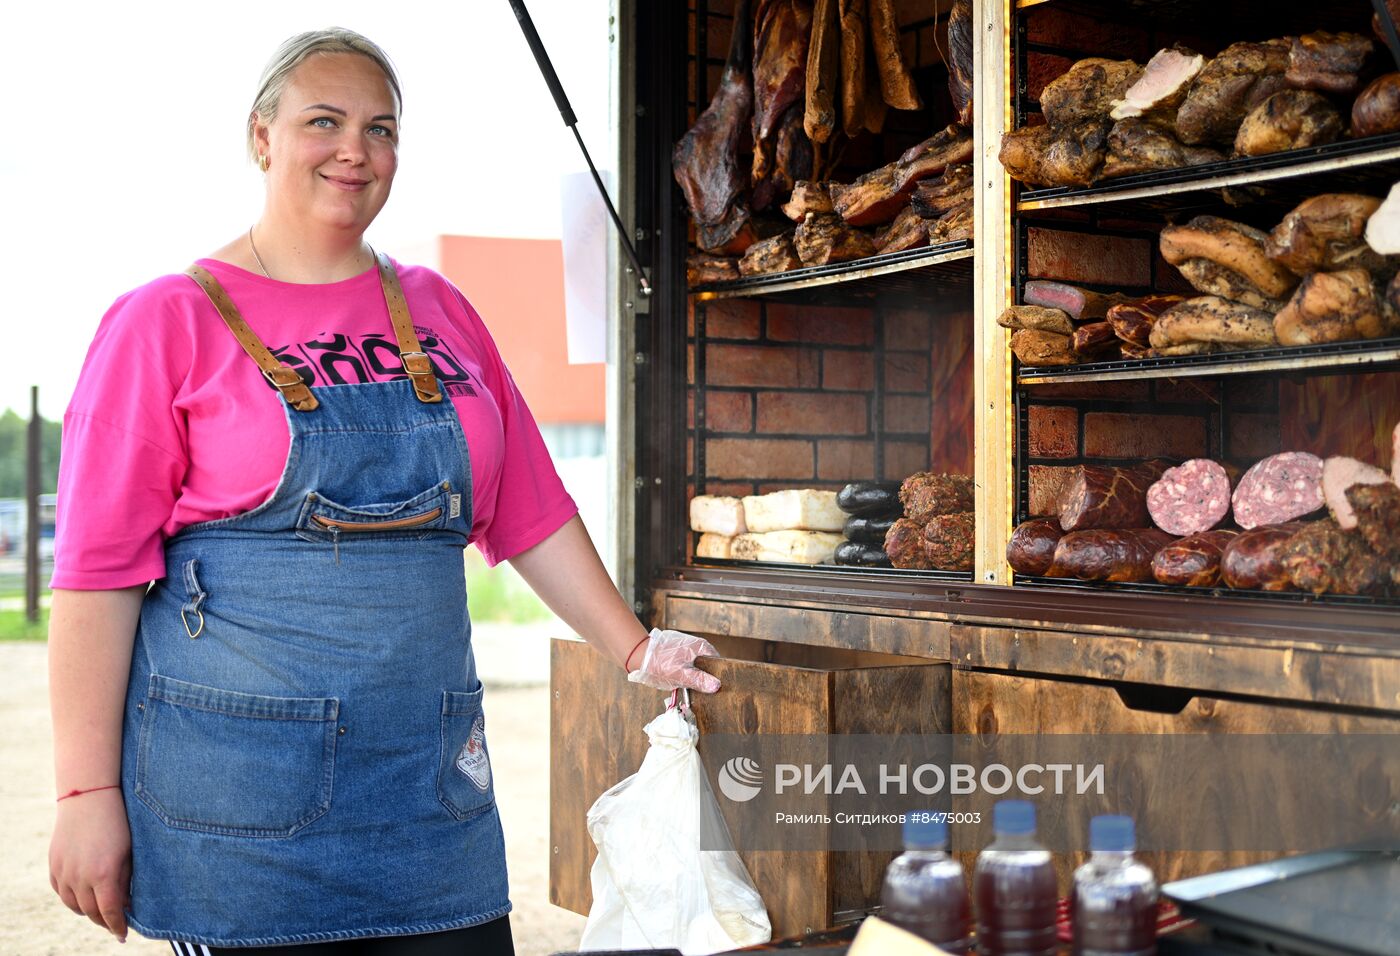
(427, 511)
(239, 764)
(464, 765)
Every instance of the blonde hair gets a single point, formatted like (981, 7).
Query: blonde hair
(290, 55)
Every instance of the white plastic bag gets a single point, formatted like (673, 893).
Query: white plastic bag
(653, 887)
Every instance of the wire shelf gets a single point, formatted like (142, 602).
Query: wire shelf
(913, 271)
(1364, 355)
(1225, 593)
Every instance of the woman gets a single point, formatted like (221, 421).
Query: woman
(281, 743)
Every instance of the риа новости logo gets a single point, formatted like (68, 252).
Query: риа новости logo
(740, 779)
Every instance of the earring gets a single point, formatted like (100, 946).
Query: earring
(264, 162)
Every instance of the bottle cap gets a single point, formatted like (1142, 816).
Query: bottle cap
(927, 834)
(1112, 833)
(1014, 816)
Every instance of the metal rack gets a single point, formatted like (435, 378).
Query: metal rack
(1363, 355)
(911, 272)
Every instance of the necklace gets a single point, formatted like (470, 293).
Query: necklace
(258, 259)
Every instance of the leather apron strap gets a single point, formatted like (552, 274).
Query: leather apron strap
(286, 379)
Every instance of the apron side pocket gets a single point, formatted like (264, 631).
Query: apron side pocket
(219, 761)
(465, 785)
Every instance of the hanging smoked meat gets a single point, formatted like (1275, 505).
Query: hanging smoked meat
(853, 66)
(792, 161)
(896, 83)
(960, 59)
(781, 31)
(706, 160)
(823, 71)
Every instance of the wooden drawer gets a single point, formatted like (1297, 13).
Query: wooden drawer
(988, 704)
(769, 688)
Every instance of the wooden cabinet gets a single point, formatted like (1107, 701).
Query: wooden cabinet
(769, 688)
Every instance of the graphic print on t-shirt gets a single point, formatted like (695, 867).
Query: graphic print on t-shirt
(333, 358)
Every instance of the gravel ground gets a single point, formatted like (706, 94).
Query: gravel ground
(34, 923)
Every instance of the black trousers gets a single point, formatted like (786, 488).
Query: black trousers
(488, 939)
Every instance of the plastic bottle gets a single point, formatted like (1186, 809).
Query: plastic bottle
(1114, 900)
(1014, 887)
(924, 890)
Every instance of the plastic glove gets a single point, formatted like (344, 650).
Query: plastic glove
(669, 662)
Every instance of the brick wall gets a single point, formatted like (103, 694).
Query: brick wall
(820, 396)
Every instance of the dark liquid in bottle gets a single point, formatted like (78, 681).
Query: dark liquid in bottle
(1115, 921)
(935, 911)
(1015, 900)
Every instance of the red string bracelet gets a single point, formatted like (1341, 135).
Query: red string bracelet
(79, 793)
(628, 658)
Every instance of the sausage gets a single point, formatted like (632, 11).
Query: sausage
(1032, 546)
(1279, 489)
(948, 541)
(1190, 498)
(905, 546)
(1377, 108)
(870, 498)
(1132, 321)
(1254, 560)
(1106, 554)
(1193, 561)
(1100, 496)
(862, 555)
(867, 530)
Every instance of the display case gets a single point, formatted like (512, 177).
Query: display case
(894, 364)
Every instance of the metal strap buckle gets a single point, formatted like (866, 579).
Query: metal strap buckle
(290, 377)
(425, 368)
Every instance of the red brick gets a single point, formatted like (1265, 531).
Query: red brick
(728, 412)
(1258, 392)
(903, 458)
(735, 489)
(846, 461)
(758, 458)
(908, 329)
(1094, 391)
(848, 371)
(1044, 492)
(1188, 391)
(906, 413)
(1116, 435)
(690, 365)
(760, 365)
(824, 325)
(732, 319)
(906, 371)
(690, 453)
(1252, 436)
(1041, 68)
(1086, 257)
(690, 408)
(1052, 25)
(689, 318)
(1054, 431)
(812, 413)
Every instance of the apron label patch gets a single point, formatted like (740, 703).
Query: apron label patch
(454, 506)
(471, 759)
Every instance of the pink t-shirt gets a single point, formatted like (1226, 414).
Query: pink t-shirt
(172, 423)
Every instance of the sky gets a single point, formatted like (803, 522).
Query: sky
(125, 159)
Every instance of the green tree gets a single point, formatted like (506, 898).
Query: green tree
(13, 442)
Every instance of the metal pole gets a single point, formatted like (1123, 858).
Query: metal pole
(31, 495)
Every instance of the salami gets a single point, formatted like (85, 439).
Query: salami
(1108, 554)
(1278, 489)
(948, 541)
(1190, 498)
(1032, 546)
(1254, 560)
(1100, 496)
(1193, 561)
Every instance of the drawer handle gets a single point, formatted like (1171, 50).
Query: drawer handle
(397, 524)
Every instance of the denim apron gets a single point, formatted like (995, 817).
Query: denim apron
(304, 753)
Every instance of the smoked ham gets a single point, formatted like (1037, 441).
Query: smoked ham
(1086, 91)
(1330, 62)
(1142, 146)
(1326, 232)
(1333, 307)
(1036, 317)
(824, 239)
(896, 82)
(960, 59)
(1377, 108)
(1046, 156)
(878, 196)
(706, 160)
(1162, 86)
(781, 30)
(1289, 119)
(807, 197)
(1235, 246)
(768, 256)
(823, 71)
(1132, 321)
(1239, 78)
(1079, 304)
(1211, 319)
(1036, 348)
(1211, 278)
(908, 231)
